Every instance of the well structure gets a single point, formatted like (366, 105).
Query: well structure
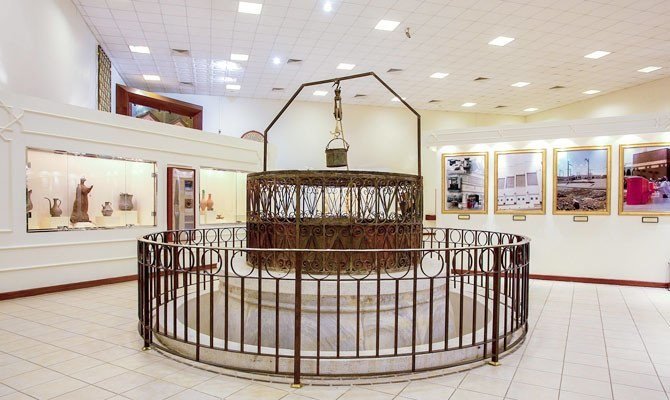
(356, 210)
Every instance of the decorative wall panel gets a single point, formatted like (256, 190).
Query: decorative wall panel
(104, 81)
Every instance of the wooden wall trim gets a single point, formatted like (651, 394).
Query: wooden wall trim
(65, 287)
(126, 95)
(600, 281)
(119, 279)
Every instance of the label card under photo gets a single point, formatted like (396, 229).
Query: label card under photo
(464, 216)
(650, 220)
(518, 217)
(580, 218)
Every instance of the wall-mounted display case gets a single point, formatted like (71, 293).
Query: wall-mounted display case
(84, 191)
(222, 197)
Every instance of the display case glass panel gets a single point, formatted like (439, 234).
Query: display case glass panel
(84, 191)
(222, 196)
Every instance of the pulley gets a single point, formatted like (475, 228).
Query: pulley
(337, 156)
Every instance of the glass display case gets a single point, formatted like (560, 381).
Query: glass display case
(85, 191)
(222, 197)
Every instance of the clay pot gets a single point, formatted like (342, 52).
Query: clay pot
(125, 202)
(54, 208)
(107, 209)
(29, 202)
(210, 203)
(203, 202)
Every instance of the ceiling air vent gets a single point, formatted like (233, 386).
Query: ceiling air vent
(392, 70)
(557, 87)
(435, 101)
(360, 95)
(501, 106)
(293, 61)
(481, 78)
(180, 52)
(186, 83)
(277, 89)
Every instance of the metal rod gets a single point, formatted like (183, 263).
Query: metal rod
(338, 79)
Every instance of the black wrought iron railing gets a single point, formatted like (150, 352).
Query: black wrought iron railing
(461, 297)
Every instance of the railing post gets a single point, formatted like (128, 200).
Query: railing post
(298, 317)
(143, 276)
(495, 349)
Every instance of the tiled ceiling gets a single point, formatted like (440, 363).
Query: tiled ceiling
(551, 39)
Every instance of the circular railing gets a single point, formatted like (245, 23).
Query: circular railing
(462, 297)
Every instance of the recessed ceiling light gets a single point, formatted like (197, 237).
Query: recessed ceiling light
(346, 66)
(233, 87)
(397, 99)
(531, 109)
(139, 49)
(468, 104)
(328, 6)
(521, 84)
(320, 93)
(386, 25)
(151, 77)
(597, 54)
(276, 61)
(227, 79)
(592, 91)
(501, 41)
(239, 57)
(439, 75)
(226, 65)
(249, 8)
(649, 69)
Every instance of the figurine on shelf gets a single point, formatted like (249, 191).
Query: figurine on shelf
(29, 201)
(80, 206)
(125, 202)
(203, 202)
(54, 208)
(107, 209)
(210, 203)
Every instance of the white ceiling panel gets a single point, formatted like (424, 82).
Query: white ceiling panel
(551, 39)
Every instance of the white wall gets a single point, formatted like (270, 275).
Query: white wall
(611, 247)
(646, 98)
(29, 260)
(47, 51)
(116, 79)
(381, 138)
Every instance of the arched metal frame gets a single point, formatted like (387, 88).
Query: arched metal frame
(344, 78)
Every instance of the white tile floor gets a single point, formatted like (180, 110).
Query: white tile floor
(586, 342)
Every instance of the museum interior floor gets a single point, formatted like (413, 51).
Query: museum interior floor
(586, 342)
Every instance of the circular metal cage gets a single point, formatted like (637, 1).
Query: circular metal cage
(335, 210)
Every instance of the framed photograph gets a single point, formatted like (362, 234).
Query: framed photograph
(644, 179)
(519, 182)
(465, 183)
(582, 180)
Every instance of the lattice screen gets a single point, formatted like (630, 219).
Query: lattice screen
(104, 81)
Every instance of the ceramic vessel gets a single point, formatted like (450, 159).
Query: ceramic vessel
(54, 208)
(209, 203)
(29, 202)
(107, 209)
(203, 202)
(125, 202)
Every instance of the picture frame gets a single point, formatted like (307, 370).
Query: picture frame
(644, 167)
(519, 188)
(581, 184)
(465, 183)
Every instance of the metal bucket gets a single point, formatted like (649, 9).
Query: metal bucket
(337, 157)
